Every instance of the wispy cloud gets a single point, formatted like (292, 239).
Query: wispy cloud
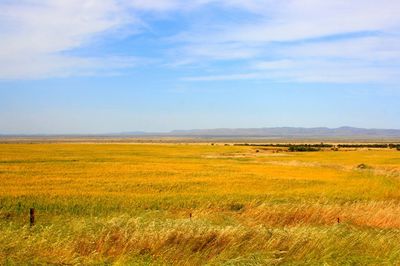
(306, 41)
(291, 40)
(314, 71)
(37, 36)
(239, 76)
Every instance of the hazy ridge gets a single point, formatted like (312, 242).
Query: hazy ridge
(280, 132)
(267, 132)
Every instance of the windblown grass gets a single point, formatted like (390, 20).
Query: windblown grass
(131, 204)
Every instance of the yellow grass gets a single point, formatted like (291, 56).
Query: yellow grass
(131, 204)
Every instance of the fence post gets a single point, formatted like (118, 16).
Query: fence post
(32, 216)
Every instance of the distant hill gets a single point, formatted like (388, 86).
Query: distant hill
(291, 132)
(271, 133)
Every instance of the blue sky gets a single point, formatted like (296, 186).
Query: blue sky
(69, 66)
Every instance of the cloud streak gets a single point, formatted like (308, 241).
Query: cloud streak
(324, 41)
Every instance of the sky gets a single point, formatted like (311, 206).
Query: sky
(90, 66)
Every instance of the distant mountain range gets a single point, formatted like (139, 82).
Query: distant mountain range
(271, 132)
(282, 132)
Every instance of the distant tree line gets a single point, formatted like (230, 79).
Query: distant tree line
(320, 145)
(304, 148)
(395, 146)
(316, 147)
(391, 146)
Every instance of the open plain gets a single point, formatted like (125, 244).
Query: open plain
(193, 204)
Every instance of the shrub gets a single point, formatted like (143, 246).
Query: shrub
(236, 206)
(294, 148)
(362, 166)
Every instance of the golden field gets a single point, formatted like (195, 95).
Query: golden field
(130, 204)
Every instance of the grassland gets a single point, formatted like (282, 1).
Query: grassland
(131, 204)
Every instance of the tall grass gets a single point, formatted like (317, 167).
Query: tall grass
(131, 204)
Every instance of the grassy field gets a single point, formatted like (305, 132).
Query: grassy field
(188, 204)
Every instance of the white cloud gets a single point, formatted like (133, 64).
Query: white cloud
(220, 52)
(240, 76)
(279, 64)
(304, 19)
(317, 70)
(283, 40)
(35, 35)
(307, 41)
(47, 65)
(309, 70)
(160, 5)
(372, 48)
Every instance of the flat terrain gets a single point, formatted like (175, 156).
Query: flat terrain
(187, 204)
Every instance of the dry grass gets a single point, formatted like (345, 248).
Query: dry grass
(130, 204)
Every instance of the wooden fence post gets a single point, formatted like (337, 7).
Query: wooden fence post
(32, 216)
